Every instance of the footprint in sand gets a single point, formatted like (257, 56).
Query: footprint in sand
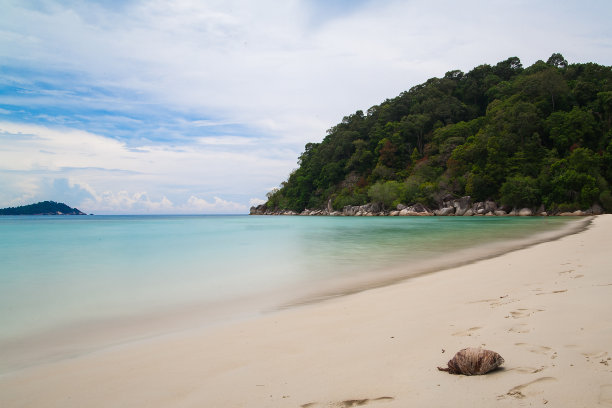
(520, 313)
(570, 274)
(538, 349)
(467, 332)
(483, 301)
(348, 403)
(529, 389)
(528, 370)
(553, 292)
(519, 328)
(598, 356)
(605, 395)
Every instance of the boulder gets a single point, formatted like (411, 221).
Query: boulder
(596, 209)
(468, 213)
(475, 207)
(418, 207)
(394, 213)
(258, 210)
(490, 206)
(500, 213)
(525, 212)
(461, 205)
(575, 213)
(445, 211)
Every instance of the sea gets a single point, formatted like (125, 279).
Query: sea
(71, 285)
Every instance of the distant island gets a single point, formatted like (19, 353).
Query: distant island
(42, 208)
(496, 140)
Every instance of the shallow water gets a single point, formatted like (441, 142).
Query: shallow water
(63, 275)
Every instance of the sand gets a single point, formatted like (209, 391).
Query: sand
(546, 309)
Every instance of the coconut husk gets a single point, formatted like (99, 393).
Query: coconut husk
(473, 361)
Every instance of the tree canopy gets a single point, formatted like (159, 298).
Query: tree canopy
(540, 135)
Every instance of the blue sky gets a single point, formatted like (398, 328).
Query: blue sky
(185, 106)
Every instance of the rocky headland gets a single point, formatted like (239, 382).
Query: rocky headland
(463, 207)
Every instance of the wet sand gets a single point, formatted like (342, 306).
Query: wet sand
(546, 309)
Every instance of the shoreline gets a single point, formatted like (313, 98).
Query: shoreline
(452, 260)
(81, 338)
(461, 207)
(545, 308)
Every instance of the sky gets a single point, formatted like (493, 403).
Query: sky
(203, 106)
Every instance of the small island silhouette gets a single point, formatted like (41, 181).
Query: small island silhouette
(42, 208)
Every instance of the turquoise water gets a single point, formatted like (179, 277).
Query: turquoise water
(60, 272)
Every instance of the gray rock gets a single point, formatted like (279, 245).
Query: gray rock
(418, 207)
(461, 205)
(525, 212)
(597, 210)
(480, 208)
(468, 213)
(490, 206)
(445, 211)
(500, 213)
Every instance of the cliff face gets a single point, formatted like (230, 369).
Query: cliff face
(521, 137)
(42, 208)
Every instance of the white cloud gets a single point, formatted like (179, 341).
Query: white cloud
(218, 205)
(104, 175)
(225, 140)
(125, 202)
(256, 201)
(267, 65)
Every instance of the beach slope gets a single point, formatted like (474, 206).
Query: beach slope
(546, 309)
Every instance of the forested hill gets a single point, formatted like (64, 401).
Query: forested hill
(523, 137)
(42, 208)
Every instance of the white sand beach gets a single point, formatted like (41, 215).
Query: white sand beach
(546, 309)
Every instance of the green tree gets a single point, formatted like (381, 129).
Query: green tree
(557, 61)
(577, 126)
(386, 192)
(520, 191)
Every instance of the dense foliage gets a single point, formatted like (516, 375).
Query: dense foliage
(519, 136)
(44, 207)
